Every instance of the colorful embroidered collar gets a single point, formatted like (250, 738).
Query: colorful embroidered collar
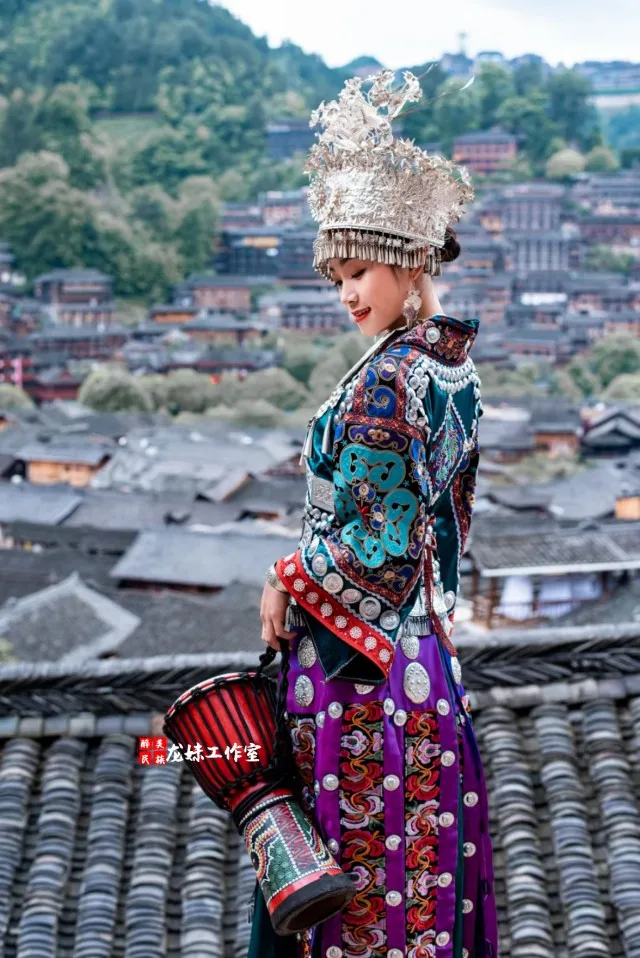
(445, 337)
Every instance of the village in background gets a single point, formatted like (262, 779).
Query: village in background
(164, 340)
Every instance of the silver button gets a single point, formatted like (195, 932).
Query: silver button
(316, 788)
(469, 849)
(470, 799)
(448, 759)
(320, 717)
(363, 689)
(319, 564)
(446, 819)
(393, 898)
(443, 707)
(391, 782)
(369, 608)
(449, 600)
(335, 710)
(389, 706)
(445, 879)
(333, 846)
(389, 620)
(330, 782)
(465, 953)
(395, 953)
(332, 582)
(467, 906)
(350, 596)
(443, 938)
(400, 718)
(433, 335)
(334, 952)
(393, 842)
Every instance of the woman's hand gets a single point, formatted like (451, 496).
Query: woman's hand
(273, 609)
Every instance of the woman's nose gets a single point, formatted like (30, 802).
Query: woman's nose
(349, 298)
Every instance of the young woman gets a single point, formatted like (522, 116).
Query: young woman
(380, 727)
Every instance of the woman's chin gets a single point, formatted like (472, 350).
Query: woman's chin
(370, 326)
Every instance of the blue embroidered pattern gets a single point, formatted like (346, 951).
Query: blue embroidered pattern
(447, 450)
(384, 525)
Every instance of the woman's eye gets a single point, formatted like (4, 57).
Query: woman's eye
(338, 283)
(358, 274)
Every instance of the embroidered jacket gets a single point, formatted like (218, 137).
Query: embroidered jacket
(392, 458)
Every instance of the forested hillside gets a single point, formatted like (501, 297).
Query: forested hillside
(82, 180)
(124, 124)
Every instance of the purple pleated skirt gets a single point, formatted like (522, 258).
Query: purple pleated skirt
(392, 778)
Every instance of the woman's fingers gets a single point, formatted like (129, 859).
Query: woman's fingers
(280, 630)
(269, 636)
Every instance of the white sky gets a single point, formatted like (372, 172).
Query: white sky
(416, 31)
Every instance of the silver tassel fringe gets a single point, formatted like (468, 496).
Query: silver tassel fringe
(392, 250)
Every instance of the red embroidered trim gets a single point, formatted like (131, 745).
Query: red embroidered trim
(326, 609)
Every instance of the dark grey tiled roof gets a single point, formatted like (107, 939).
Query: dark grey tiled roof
(589, 494)
(25, 572)
(26, 502)
(178, 557)
(138, 861)
(110, 509)
(67, 622)
(226, 622)
(568, 548)
(66, 449)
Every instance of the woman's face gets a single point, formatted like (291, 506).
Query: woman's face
(372, 292)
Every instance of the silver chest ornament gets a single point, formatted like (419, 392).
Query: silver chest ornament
(416, 683)
(304, 691)
(307, 655)
(410, 645)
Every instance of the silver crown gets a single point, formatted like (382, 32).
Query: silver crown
(373, 195)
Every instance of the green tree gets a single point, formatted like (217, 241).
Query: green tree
(614, 356)
(601, 159)
(155, 388)
(456, 112)
(528, 77)
(189, 391)
(495, 85)
(47, 221)
(256, 412)
(623, 128)
(564, 164)
(300, 359)
(570, 108)
(112, 390)
(12, 397)
(630, 157)
(275, 385)
(603, 259)
(526, 117)
(625, 387)
(583, 377)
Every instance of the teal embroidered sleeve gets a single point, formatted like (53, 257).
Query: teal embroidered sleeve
(453, 512)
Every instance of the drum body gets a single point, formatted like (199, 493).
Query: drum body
(226, 730)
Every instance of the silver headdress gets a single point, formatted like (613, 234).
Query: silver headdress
(375, 196)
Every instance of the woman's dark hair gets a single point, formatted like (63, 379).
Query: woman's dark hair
(451, 248)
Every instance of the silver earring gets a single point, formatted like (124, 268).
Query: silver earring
(411, 306)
